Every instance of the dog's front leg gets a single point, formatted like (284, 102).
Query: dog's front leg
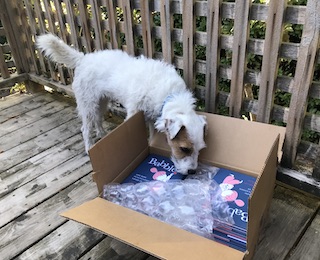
(151, 130)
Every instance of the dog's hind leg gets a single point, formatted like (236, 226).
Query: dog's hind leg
(85, 129)
(102, 110)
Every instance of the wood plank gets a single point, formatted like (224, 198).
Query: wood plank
(43, 187)
(302, 82)
(146, 25)
(43, 162)
(28, 105)
(241, 31)
(188, 25)
(24, 134)
(14, 78)
(69, 241)
(212, 55)
(113, 28)
(110, 248)
(15, 99)
(39, 221)
(96, 24)
(166, 28)
(37, 145)
(269, 69)
(289, 214)
(128, 26)
(309, 246)
(49, 109)
(3, 66)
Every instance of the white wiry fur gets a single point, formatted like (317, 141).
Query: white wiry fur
(139, 84)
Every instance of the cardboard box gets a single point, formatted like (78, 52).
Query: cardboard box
(248, 147)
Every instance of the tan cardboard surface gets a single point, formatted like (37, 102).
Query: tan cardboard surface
(261, 196)
(234, 143)
(148, 234)
(124, 144)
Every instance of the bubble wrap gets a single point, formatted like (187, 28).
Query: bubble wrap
(191, 204)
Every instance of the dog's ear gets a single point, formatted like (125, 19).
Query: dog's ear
(205, 128)
(173, 127)
(170, 126)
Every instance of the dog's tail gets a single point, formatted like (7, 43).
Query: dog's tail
(58, 51)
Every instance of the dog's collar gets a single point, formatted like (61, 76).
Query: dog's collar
(166, 100)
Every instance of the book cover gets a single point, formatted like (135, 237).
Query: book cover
(154, 167)
(236, 189)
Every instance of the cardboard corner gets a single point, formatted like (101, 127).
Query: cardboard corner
(148, 234)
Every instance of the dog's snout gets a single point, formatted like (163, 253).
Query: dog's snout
(191, 171)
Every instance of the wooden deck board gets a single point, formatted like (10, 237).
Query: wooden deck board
(309, 246)
(289, 215)
(44, 171)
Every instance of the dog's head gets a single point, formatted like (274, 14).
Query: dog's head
(185, 134)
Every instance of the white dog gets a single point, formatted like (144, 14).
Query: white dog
(139, 84)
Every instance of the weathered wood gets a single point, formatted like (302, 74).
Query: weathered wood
(303, 77)
(166, 27)
(113, 29)
(110, 248)
(15, 99)
(7, 17)
(51, 179)
(66, 89)
(127, 17)
(29, 117)
(34, 30)
(188, 25)
(308, 247)
(239, 57)
(43, 187)
(96, 17)
(3, 66)
(40, 164)
(212, 55)
(33, 225)
(24, 134)
(35, 146)
(12, 112)
(289, 216)
(14, 78)
(69, 241)
(146, 29)
(299, 181)
(269, 68)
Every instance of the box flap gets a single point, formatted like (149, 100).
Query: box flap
(125, 143)
(148, 234)
(261, 197)
(250, 141)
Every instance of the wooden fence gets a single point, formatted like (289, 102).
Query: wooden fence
(151, 28)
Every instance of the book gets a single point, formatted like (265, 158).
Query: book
(154, 167)
(236, 189)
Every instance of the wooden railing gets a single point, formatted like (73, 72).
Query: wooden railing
(149, 28)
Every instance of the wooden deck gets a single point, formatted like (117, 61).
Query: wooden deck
(44, 171)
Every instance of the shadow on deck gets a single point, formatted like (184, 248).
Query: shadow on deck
(44, 171)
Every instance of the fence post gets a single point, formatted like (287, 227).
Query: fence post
(302, 81)
(269, 68)
(14, 33)
(241, 29)
(212, 54)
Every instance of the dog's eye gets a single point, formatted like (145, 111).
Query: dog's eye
(186, 150)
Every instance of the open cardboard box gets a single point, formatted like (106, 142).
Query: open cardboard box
(248, 147)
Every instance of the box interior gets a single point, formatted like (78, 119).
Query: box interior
(247, 147)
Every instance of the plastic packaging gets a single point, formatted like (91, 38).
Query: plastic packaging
(191, 204)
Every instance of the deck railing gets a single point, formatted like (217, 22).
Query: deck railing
(150, 28)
